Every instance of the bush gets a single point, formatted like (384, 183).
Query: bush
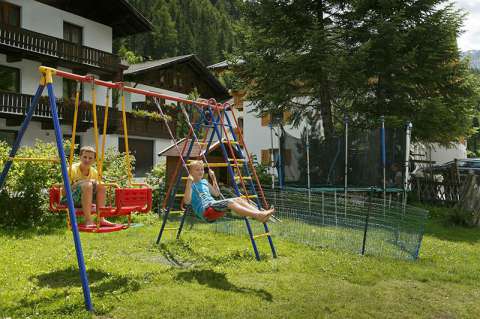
(24, 199)
(263, 174)
(115, 167)
(156, 179)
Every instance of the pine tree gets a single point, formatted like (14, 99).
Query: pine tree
(201, 27)
(324, 58)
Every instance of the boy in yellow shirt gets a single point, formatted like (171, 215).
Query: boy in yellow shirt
(85, 188)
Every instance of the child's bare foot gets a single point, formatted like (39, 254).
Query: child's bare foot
(90, 224)
(106, 223)
(265, 215)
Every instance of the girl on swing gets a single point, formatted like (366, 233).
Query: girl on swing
(199, 193)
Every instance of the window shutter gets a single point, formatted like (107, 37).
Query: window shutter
(266, 119)
(265, 157)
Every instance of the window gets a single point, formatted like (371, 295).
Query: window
(70, 89)
(72, 33)
(9, 79)
(267, 156)
(240, 123)
(9, 14)
(8, 136)
(266, 119)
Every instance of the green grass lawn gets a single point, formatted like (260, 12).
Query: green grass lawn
(211, 275)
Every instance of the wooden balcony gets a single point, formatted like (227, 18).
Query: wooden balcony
(55, 51)
(14, 106)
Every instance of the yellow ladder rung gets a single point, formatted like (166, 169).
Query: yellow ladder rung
(261, 235)
(179, 195)
(243, 177)
(239, 160)
(176, 212)
(220, 165)
(38, 159)
(234, 143)
(248, 196)
(170, 228)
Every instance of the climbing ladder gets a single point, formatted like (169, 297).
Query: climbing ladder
(240, 168)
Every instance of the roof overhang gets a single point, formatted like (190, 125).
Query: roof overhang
(124, 19)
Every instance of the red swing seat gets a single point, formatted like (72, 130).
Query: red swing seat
(211, 214)
(127, 201)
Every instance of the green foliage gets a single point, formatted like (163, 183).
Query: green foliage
(183, 27)
(368, 58)
(24, 199)
(128, 55)
(220, 278)
(230, 80)
(115, 167)
(151, 115)
(156, 179)
(263, 174)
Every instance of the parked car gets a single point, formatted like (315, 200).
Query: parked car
(465, 167)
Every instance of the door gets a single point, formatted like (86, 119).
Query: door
(143, 152)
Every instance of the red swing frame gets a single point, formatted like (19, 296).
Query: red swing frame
(127, 201)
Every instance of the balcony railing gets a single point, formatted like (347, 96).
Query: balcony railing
(16, 105)
(39, 43)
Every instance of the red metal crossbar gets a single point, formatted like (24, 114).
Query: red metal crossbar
(121, 86)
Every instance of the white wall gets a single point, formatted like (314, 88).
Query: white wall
(439, 154)
(39, 17)
(257, 137)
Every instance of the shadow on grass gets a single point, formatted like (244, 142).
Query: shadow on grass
(57, 302)
(219, 281)
(180, 247)
(101, 283)
(442, 230)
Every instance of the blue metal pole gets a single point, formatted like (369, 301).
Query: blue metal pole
(384, 163)
(252, 185)
(383, 150)
(232, 177)
(68, 191)
(21, 132)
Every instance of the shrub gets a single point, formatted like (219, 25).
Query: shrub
(24, 198)
(156, 179)
(263, 174)
(115, 167)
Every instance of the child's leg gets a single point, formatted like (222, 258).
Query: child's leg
(101, 191)
(87, 193)
(249, 211)
(246, 203)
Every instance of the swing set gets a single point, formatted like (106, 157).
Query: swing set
(216, 123)
(138, 197)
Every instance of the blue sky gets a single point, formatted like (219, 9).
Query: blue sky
(470, 39)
